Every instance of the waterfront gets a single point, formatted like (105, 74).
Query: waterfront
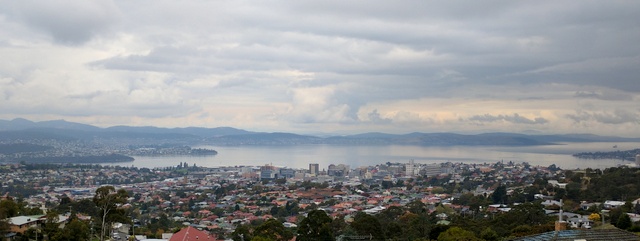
(299, 156)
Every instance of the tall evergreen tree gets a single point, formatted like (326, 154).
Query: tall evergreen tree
(499, 195)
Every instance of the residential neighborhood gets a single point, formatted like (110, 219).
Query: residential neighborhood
(217, 201)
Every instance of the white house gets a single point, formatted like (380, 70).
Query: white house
(613, 204)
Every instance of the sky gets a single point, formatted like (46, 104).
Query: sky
(325, 67)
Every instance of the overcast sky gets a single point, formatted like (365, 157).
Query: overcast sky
(325, 66)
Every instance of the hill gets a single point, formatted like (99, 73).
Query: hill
(63, 130)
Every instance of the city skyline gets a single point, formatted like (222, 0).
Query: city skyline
(325, 67)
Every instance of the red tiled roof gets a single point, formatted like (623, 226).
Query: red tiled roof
(190, 234)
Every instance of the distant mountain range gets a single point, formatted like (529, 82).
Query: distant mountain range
(64, 130)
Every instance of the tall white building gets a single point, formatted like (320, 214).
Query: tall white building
(314, 168)
(409, 168)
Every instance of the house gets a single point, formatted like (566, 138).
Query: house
(548, 203)
(557, 184)
(190, 234)
(587, 205)
(613, 204)
(20, 224)
(634, 217)
(580, 222)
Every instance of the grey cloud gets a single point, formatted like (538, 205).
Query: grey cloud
(67, 21)
(373, 52)
(583, 94)
(615, 117)
(515, 118)
(579, 116)
(603, 96)
(375, 117)
(351, 45)
(86, 96)
(486, 46)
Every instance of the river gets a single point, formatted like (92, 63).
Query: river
(299, 156)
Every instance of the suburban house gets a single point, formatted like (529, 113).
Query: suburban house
(190, 234)
(19, 224)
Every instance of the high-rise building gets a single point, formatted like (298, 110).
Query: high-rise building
(333, 170)
(433, 170)
(638, 159)
(268, 172)
(287, 172)
(409, 168)
(314, 168)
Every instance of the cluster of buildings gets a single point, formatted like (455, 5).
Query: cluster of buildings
(219, 199)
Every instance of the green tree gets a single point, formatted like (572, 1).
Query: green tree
(260, 238)
(365, 224)
(107, 199)
(8, 208)
(75, 230)
(526, 213)
(417, 207)
(457, 234)
(315, 227)
(437, 230)
(499, 195)
(614, 215)
(489, 235)
(51, 225)
(415, 226)
(274, 230)
(624, 222)
(242, 233)
(573, 190)
(389, 221)
(338, 226)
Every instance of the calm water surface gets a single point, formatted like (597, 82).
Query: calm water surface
(299, 156)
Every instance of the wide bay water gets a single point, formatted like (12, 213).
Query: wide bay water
(299, 156)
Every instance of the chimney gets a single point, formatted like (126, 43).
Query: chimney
(560, 225)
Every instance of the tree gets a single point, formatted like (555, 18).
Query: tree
(365, 224)
(489, 235)
(436, 230)
(273, 229)
(242, 233)
(414, 226)
(526, 213)
(108, 202)
(8, 208)
(260, 238)
(457, 234)
(614, 215)
(573, 190)
(389, 221)
(75, 230)
(315, 227)
(417, 207)
(499, 195)
(624, 222)
(51, 225)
